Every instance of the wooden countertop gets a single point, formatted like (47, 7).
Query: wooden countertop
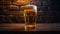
(39, 27)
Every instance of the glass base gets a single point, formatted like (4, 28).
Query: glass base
(29, 27)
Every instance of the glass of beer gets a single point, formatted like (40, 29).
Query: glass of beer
(30, 15)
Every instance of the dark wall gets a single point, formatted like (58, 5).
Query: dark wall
(55, 4)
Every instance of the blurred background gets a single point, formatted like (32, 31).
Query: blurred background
(48, 11)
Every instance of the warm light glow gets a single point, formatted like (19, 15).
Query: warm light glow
(30, 25)
(23, 2)
(20, 0)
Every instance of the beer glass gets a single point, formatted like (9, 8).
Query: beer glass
(30, 15)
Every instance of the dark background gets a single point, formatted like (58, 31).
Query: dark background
(55, 4)
(53, 14)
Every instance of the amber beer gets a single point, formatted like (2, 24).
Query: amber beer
(30, 14)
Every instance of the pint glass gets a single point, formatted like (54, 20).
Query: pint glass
(30, 14)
